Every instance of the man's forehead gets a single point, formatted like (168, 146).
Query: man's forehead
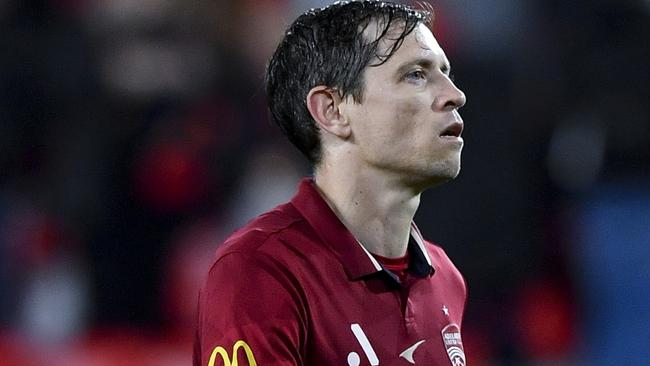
(421, 41)
(426, 40)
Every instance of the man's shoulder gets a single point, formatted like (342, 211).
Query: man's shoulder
(259, 230)
(274, 243)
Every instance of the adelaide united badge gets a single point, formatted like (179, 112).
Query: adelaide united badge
(454, 345)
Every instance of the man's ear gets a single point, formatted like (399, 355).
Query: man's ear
(323, 104)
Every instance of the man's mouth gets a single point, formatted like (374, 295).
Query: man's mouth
(453, 130)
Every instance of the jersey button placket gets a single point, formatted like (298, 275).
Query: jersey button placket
(407, 308)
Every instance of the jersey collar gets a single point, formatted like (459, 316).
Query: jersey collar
(356, 259)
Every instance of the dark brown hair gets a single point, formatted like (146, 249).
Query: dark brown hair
(328, 47)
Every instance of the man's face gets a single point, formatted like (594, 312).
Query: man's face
(408, 123)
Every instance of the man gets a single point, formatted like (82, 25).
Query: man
(340, 275)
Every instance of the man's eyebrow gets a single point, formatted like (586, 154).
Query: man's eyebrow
(422, 62)
(425, 63)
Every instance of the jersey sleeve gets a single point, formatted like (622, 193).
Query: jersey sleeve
(250, 313)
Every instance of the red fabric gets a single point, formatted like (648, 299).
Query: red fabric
(398, 266)
(293, 287)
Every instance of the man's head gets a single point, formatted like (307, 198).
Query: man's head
(332, 47)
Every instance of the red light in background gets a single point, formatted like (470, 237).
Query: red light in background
(169, 177)
(544, 320)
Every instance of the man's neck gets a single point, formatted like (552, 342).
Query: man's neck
(377, 212)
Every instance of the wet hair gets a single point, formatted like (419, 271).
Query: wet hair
(330, 46)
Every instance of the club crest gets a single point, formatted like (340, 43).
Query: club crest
(454, 345)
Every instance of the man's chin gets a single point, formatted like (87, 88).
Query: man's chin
(445, 175)
(442, 179)
(437, 178)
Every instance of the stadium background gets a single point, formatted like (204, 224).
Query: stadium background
(134, 137)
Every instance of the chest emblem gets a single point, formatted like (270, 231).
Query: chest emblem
(454, 345)
(408, 353)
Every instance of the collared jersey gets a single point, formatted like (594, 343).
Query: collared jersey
(294, 287)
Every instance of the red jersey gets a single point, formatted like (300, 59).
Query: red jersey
(294, 287)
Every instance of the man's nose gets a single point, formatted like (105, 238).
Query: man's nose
(450, 97)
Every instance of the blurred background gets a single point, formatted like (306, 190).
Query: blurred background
(134, 137)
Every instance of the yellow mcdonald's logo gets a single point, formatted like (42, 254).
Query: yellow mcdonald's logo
(220, 351)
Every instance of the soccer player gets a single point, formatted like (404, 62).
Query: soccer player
(341, 275)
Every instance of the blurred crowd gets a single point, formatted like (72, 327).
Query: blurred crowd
(134, 137)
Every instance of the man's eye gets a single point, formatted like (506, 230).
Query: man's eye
(416, 75)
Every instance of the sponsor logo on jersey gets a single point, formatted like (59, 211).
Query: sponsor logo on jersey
(234, 361)
(454, 345)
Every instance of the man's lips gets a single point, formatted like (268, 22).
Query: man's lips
(454, 130)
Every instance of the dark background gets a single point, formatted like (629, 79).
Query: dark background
(134, 137)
